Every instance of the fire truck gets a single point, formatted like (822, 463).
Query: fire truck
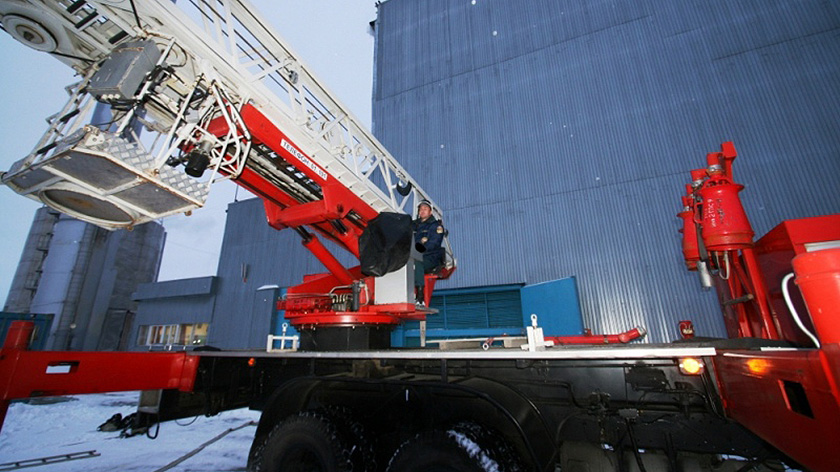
(199, 92)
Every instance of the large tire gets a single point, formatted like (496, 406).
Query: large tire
(307, 442)
(466, 447)
(362, 455)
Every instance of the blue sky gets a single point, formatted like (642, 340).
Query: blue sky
(332, 37)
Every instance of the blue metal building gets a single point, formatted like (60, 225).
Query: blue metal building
(236, 308)
(558, 135)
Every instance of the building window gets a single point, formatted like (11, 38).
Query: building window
(172, 336)
(195, 334)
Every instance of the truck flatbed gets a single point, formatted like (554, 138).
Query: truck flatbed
(637, 351)
(549, 405)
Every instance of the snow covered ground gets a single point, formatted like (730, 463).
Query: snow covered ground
(38, 430)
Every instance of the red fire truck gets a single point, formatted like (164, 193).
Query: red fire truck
(234, 103)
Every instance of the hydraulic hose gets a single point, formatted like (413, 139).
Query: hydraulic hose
(793, 310)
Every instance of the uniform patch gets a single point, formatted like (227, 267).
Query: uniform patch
(440, 229)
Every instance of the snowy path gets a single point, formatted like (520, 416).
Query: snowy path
(34, 431)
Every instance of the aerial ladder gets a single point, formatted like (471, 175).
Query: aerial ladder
(205, 91)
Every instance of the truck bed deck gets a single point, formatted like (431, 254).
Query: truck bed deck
(641, 351)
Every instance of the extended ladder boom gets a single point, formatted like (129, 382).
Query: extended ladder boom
(221, 97)
(203, 65)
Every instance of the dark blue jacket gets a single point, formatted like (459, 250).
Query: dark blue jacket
(428, 235)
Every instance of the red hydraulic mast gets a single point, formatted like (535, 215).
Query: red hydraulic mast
(791, 383)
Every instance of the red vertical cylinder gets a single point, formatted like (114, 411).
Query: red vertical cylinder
(818, 277)
(691, 250)
(725, 223)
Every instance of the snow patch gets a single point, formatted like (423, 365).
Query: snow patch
(474, 451)
(38, 430)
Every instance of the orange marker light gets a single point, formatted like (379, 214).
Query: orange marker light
(758, 366)
(252, 362)
(691, 366)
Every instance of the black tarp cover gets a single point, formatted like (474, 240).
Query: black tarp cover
(385, 245)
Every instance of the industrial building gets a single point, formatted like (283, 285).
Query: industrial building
(76, 281)
(558, 138)
(235, 308)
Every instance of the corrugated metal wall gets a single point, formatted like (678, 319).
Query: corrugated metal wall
(558, 135)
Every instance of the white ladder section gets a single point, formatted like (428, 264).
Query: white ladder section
(227, 42)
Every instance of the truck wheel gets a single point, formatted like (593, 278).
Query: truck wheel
(307, 442)
(466, 447)
(361, 454)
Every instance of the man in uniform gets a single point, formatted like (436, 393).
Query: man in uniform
(428, 239)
